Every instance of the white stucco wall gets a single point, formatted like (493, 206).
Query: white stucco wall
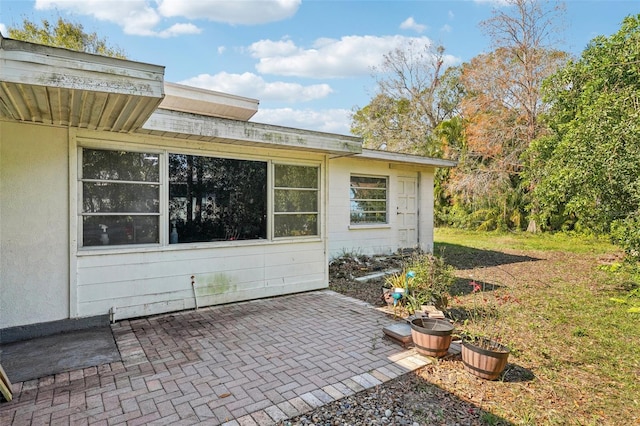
(344, 238)
(34, 227)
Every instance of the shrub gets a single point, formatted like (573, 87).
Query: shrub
(433, 279)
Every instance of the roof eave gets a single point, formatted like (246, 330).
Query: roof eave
(50, 85)
(182, 125)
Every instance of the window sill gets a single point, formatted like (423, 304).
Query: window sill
(370, 226)
(111, 250)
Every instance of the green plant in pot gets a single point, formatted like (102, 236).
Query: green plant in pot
(432, 279)
(483, 352)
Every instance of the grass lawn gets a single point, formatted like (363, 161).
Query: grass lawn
(575, 352)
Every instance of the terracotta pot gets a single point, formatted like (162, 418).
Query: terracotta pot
(431, 337)
(484, 358)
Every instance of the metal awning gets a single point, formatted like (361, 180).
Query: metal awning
(42, 84)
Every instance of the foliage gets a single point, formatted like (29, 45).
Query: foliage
(501, 107)
(483, 321)
(427, 278)
(586, 173)
(413, 97)
(64, 34)
(566, 333)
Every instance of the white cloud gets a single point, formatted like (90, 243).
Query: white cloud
(254, 86)
(3, 30)
(451, 14)
(178, 29)
(446, 28)
(328, 58)
(221, 50)
(247, 12)
(411, 24)
(266, 48)
(142, 17)
(494, 2)
(328, 120)
(136, 17)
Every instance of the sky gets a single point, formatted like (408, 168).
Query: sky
(309, 63)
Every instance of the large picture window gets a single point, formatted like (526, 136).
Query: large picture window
(368, 200)
(216, 199)
(120, 197)
(129, 197)
(296, 193)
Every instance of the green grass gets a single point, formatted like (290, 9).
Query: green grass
(582, 348)
(523, 241)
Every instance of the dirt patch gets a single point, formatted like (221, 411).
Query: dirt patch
(547, 380)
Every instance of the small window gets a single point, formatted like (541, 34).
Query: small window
(120, 193)
(368, 199)
(296, 200)
(216, 199)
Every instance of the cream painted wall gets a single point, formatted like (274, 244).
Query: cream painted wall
(34, 224)
(379, 239)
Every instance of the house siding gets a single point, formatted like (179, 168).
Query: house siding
(137, 281)
(139, 284)
(344, 238)
(34, 230)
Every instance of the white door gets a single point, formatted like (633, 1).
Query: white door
(407, 212)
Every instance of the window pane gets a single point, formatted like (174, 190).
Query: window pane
(368, 194)
(117, 230)
(292, 200)
(287, 176)
(368, 199)
(368, 182)
(120, 165)
(104, 197)
(296, 225)
(360, 217)
(213, 199)
(368, 206)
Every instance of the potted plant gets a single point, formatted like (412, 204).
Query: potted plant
(431, 337)
(426, 280)
(483, 353)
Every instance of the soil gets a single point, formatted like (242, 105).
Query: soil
(443, 393)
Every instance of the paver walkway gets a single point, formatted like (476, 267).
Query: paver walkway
(253, 363)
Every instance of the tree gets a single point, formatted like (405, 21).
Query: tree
(409, 102)
(588, 168)
(64, 34)
(501, 109)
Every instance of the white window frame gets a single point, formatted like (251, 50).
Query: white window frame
(162, 178)
(386, 201)
(163, 184)
(317, 190)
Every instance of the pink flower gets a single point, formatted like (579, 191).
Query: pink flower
(475, 285)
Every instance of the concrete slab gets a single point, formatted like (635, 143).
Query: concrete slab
(44, 356)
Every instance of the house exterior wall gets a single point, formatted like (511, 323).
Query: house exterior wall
(34, 224)
(137, 281)
(345, 238)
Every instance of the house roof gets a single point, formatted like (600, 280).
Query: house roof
(51, 85)
(401, 159)
(182, 125)
(42, 84)
(178, 97)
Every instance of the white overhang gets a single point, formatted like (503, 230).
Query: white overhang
(399, 160)
(194, 127)
(42, 84)
(207, 102)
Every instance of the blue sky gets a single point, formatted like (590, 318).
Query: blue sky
(308, 62)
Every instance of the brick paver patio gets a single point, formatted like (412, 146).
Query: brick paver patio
(252, 363)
